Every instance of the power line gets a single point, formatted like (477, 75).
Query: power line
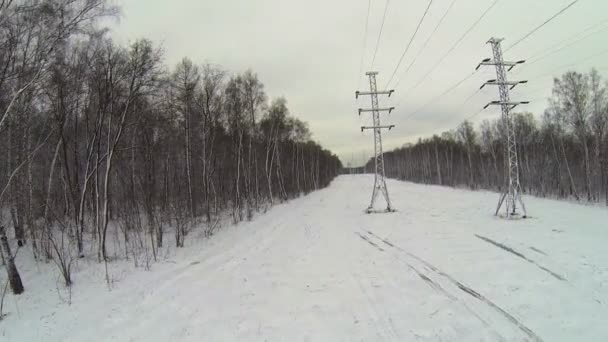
(425, 43)
(603, 52)
(454, 86)
(410, 42)
(580, 36)
(453, 47)
(369, 5)
(469, 98)
(574, 36)
(550, 73)
(448, 90)
(468, 118)
(477, 91)
(531, 91)
(539, 57)
(474, 115)
(380, 33)
(541, 25)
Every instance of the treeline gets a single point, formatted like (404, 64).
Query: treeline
(98, 135)
(562, 154)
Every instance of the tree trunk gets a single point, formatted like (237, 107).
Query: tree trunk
(572, 185)
(471, 181)
(47, 237)
(587, 171)
(439, 180)
(237, 213)
(268, 165)
(188, 168)
(13, 275)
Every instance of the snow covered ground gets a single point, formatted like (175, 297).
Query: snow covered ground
(442, 268)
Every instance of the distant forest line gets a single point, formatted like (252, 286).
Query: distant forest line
(562, 153)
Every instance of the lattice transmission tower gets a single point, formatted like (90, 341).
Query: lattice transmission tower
(511, 194)
(379, 177)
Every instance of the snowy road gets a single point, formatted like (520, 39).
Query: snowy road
(442, 268)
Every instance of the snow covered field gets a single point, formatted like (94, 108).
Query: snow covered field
(442, 268)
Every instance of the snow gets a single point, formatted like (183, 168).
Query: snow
(441, 268)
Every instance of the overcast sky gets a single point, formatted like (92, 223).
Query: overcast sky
(310, 51)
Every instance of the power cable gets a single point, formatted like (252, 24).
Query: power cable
(454, 86)
(590, 57)
(574, 36)
(380, 33)
(550, 53)
(425, 44)
(541, 25)
(454, 46)
(410, 42)
(369, 5)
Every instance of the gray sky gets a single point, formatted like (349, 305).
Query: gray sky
(310, 51)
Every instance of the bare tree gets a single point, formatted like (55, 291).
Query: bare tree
(573, 99)
(140, 65)
(99, 136)
(599, 128)
(13, 275)
(467, 136)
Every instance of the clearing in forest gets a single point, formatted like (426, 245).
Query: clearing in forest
(319, 268)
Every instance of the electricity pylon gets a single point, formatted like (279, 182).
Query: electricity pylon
(511, 194)
(379, 177)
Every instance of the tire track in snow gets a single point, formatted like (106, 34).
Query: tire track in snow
(384, 328)
(453, 298)
(466, 289)
(538, 251)
(431, 283)
(225, 264)
(370, 242)
(435, 286)
(520, 255)
(422, 276)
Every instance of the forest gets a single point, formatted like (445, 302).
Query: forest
(562, 153)
(99, 138)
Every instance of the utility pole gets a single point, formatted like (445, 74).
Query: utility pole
(511, 194)
(379, 176)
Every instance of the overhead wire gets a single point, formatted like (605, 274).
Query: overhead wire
(534, 30)
(469, 98)
(409, 44)
(369, 5)
(538, 90)
(452, 87)
(540, 57)
(564, 66)
(584, 34)
(576, 36)
(455, 45)
(452, 48)
(380, 33)
(474, 115)
(479, 90)
(425, 43)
